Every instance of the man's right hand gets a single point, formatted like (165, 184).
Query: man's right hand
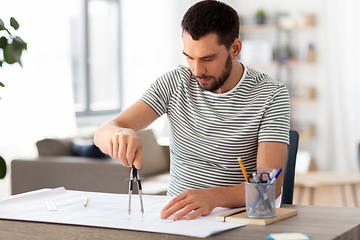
(126, 147)
(119, 138)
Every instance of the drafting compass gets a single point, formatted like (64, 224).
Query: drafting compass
(135, 177)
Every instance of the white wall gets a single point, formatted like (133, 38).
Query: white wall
(152, 46)
(37, 100)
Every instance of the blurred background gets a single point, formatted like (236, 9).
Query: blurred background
(87, 60)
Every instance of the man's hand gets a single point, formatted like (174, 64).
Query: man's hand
(126, 147)
(200, 201)
(118, 137)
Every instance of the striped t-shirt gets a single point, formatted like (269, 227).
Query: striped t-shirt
(210, 131)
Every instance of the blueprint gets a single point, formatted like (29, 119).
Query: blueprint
(107, 210)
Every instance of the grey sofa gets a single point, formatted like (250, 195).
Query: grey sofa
(89, 174)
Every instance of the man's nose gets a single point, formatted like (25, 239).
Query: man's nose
(198, 68)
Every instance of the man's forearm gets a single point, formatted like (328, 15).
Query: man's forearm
(230, 197)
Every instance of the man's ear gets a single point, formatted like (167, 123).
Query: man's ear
(235, 48)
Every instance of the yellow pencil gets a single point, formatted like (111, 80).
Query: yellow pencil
(243, 169)
(86, 202)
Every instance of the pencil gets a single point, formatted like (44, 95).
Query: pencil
(86, 201)
(243, 169)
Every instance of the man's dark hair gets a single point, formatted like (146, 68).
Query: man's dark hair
(212, 16)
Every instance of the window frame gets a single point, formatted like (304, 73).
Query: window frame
(85, 58)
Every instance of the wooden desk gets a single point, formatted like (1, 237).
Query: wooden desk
(316, 179)
(321, 223)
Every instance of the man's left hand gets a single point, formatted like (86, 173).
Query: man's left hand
(191, 203)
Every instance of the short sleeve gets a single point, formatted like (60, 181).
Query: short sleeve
(159, 93)
(275, 125)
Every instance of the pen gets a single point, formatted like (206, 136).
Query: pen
(276, 175)
(243, 169)
(268, 187)
(262, 191)
(86, 201)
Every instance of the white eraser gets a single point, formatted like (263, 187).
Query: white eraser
(288, 236)
(50, 206)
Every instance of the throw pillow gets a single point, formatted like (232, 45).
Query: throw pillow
(54, 147)
(87, 150)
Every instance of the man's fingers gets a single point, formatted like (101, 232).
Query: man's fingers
(115, 149)
(173, 201)
(122, 153)
(110, 147)
(129, 156)
(173, 206)
(126, 148)
(184, 211)
(171, 210)
(191, 203)
(194, 214)
(179, 206)
(138, 158)
(134, 152)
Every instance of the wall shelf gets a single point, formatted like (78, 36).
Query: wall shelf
(247, 28)
(285, 62)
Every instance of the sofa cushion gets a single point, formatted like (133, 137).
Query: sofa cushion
(71, 172)
(155, 158)
(55, 147)
(69, 147)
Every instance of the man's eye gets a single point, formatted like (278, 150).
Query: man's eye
(208, 59)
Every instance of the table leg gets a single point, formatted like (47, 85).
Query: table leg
(301, 191)
(343, 195)
(353, 187)
(312, 191)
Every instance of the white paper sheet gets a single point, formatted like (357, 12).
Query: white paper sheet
(107, 210)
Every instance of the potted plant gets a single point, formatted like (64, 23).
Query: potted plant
(12, 47)
(260, 16)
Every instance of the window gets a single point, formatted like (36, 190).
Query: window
(95, 33)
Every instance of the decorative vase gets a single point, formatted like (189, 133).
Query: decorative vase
(260, 19)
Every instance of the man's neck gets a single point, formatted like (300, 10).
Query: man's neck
(234, 77)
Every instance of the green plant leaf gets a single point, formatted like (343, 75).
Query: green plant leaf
(260, 12)
(1, 84)
(2, 168)
(2, 26)
(14, 23)
(12, 51)
(10, 56)
(3, 42)
(19, 44)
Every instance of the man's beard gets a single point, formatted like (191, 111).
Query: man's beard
(218, 82)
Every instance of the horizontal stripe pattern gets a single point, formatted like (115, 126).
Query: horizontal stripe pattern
(210, 131)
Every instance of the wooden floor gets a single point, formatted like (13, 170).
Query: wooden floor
(328, 196)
